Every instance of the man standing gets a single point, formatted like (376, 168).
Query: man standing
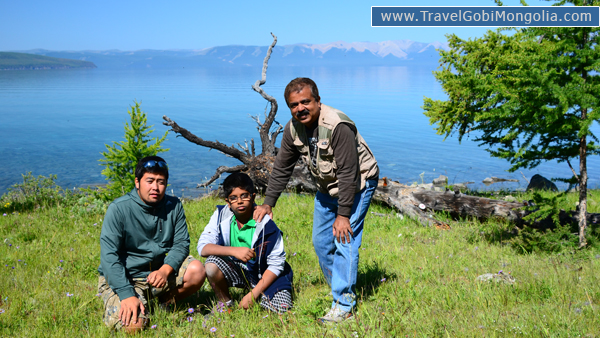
(144, 247)
(346, 173)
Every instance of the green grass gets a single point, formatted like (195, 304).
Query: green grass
(413, 281)
(22, 61)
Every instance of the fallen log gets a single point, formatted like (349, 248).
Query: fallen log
(421, 205)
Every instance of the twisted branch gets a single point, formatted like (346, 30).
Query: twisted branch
(221, 170)
(268, 138)
(227, 150)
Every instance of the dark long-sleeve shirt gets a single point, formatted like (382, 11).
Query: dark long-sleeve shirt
(137, 239)
(343, 143)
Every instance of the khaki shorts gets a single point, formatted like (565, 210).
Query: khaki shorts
(143, 290)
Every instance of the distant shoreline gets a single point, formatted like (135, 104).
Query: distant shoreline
(24, 61)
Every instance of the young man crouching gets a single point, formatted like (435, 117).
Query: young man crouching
(144, 248)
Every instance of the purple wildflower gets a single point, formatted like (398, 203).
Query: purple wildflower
(4, 214)
(95, 223)
(2, 310)
(13, 267)
(213, 329)
(153, 326)
(265, 316)
(61, 261)
(191, 310)
(17, 246)
(10, 245)
(98, 294)
(294, 254)
(383, 280)
(499, 272)
(69, 294)
(190, 319)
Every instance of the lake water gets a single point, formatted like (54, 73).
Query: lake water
(58, 121)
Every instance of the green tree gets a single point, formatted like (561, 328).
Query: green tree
(528, 97)
(120, 158)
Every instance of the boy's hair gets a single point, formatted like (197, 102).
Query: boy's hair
(297, 84)
(153, 165)
(237, 180)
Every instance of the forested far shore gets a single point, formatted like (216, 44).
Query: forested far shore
(24, 61)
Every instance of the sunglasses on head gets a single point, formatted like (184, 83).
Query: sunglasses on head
(153, 163)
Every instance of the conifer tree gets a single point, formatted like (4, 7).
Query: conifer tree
(120, 158)
(528, 97)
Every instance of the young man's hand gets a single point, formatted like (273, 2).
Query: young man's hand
(243, 254)
(158, 278)
(129, 310)
(261, 210)
(247, 301)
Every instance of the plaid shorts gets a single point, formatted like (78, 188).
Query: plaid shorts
(143, 290)
(237, 275)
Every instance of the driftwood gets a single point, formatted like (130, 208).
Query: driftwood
(421, 205)
(258, 167)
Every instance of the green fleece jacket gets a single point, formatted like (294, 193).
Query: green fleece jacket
(137, 239)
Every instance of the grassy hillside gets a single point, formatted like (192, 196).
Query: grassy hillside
(413, 281)
(22, 61)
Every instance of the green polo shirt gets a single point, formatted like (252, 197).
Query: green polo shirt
(242, 237)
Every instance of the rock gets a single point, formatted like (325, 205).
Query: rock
(539, 182)
(459, 186)
(427, 186)
(440, 181)
(491, 180)
(510, 198)
(499, 277)
(497, 179)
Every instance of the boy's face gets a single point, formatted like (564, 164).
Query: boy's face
(241, 202)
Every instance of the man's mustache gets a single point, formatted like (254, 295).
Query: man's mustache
(302, 113)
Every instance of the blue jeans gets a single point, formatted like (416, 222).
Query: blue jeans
(339, 261)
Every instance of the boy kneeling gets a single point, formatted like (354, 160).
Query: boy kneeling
(243, 253)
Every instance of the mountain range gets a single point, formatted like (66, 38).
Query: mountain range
(386, 53)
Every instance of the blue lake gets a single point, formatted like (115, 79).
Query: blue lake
(58, 121)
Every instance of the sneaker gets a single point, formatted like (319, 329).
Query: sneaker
(335, 315)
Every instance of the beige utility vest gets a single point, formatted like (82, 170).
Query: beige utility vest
(326, 169)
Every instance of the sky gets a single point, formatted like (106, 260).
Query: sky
(196, 24)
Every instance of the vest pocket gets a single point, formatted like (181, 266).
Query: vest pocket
(326, 168)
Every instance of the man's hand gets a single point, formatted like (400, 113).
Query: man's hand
(247, 301)
(129, 310)
(342, 229)
(261, 210)
(158, 278)
(243, 254)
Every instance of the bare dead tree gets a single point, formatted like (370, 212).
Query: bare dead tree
(258, 167)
